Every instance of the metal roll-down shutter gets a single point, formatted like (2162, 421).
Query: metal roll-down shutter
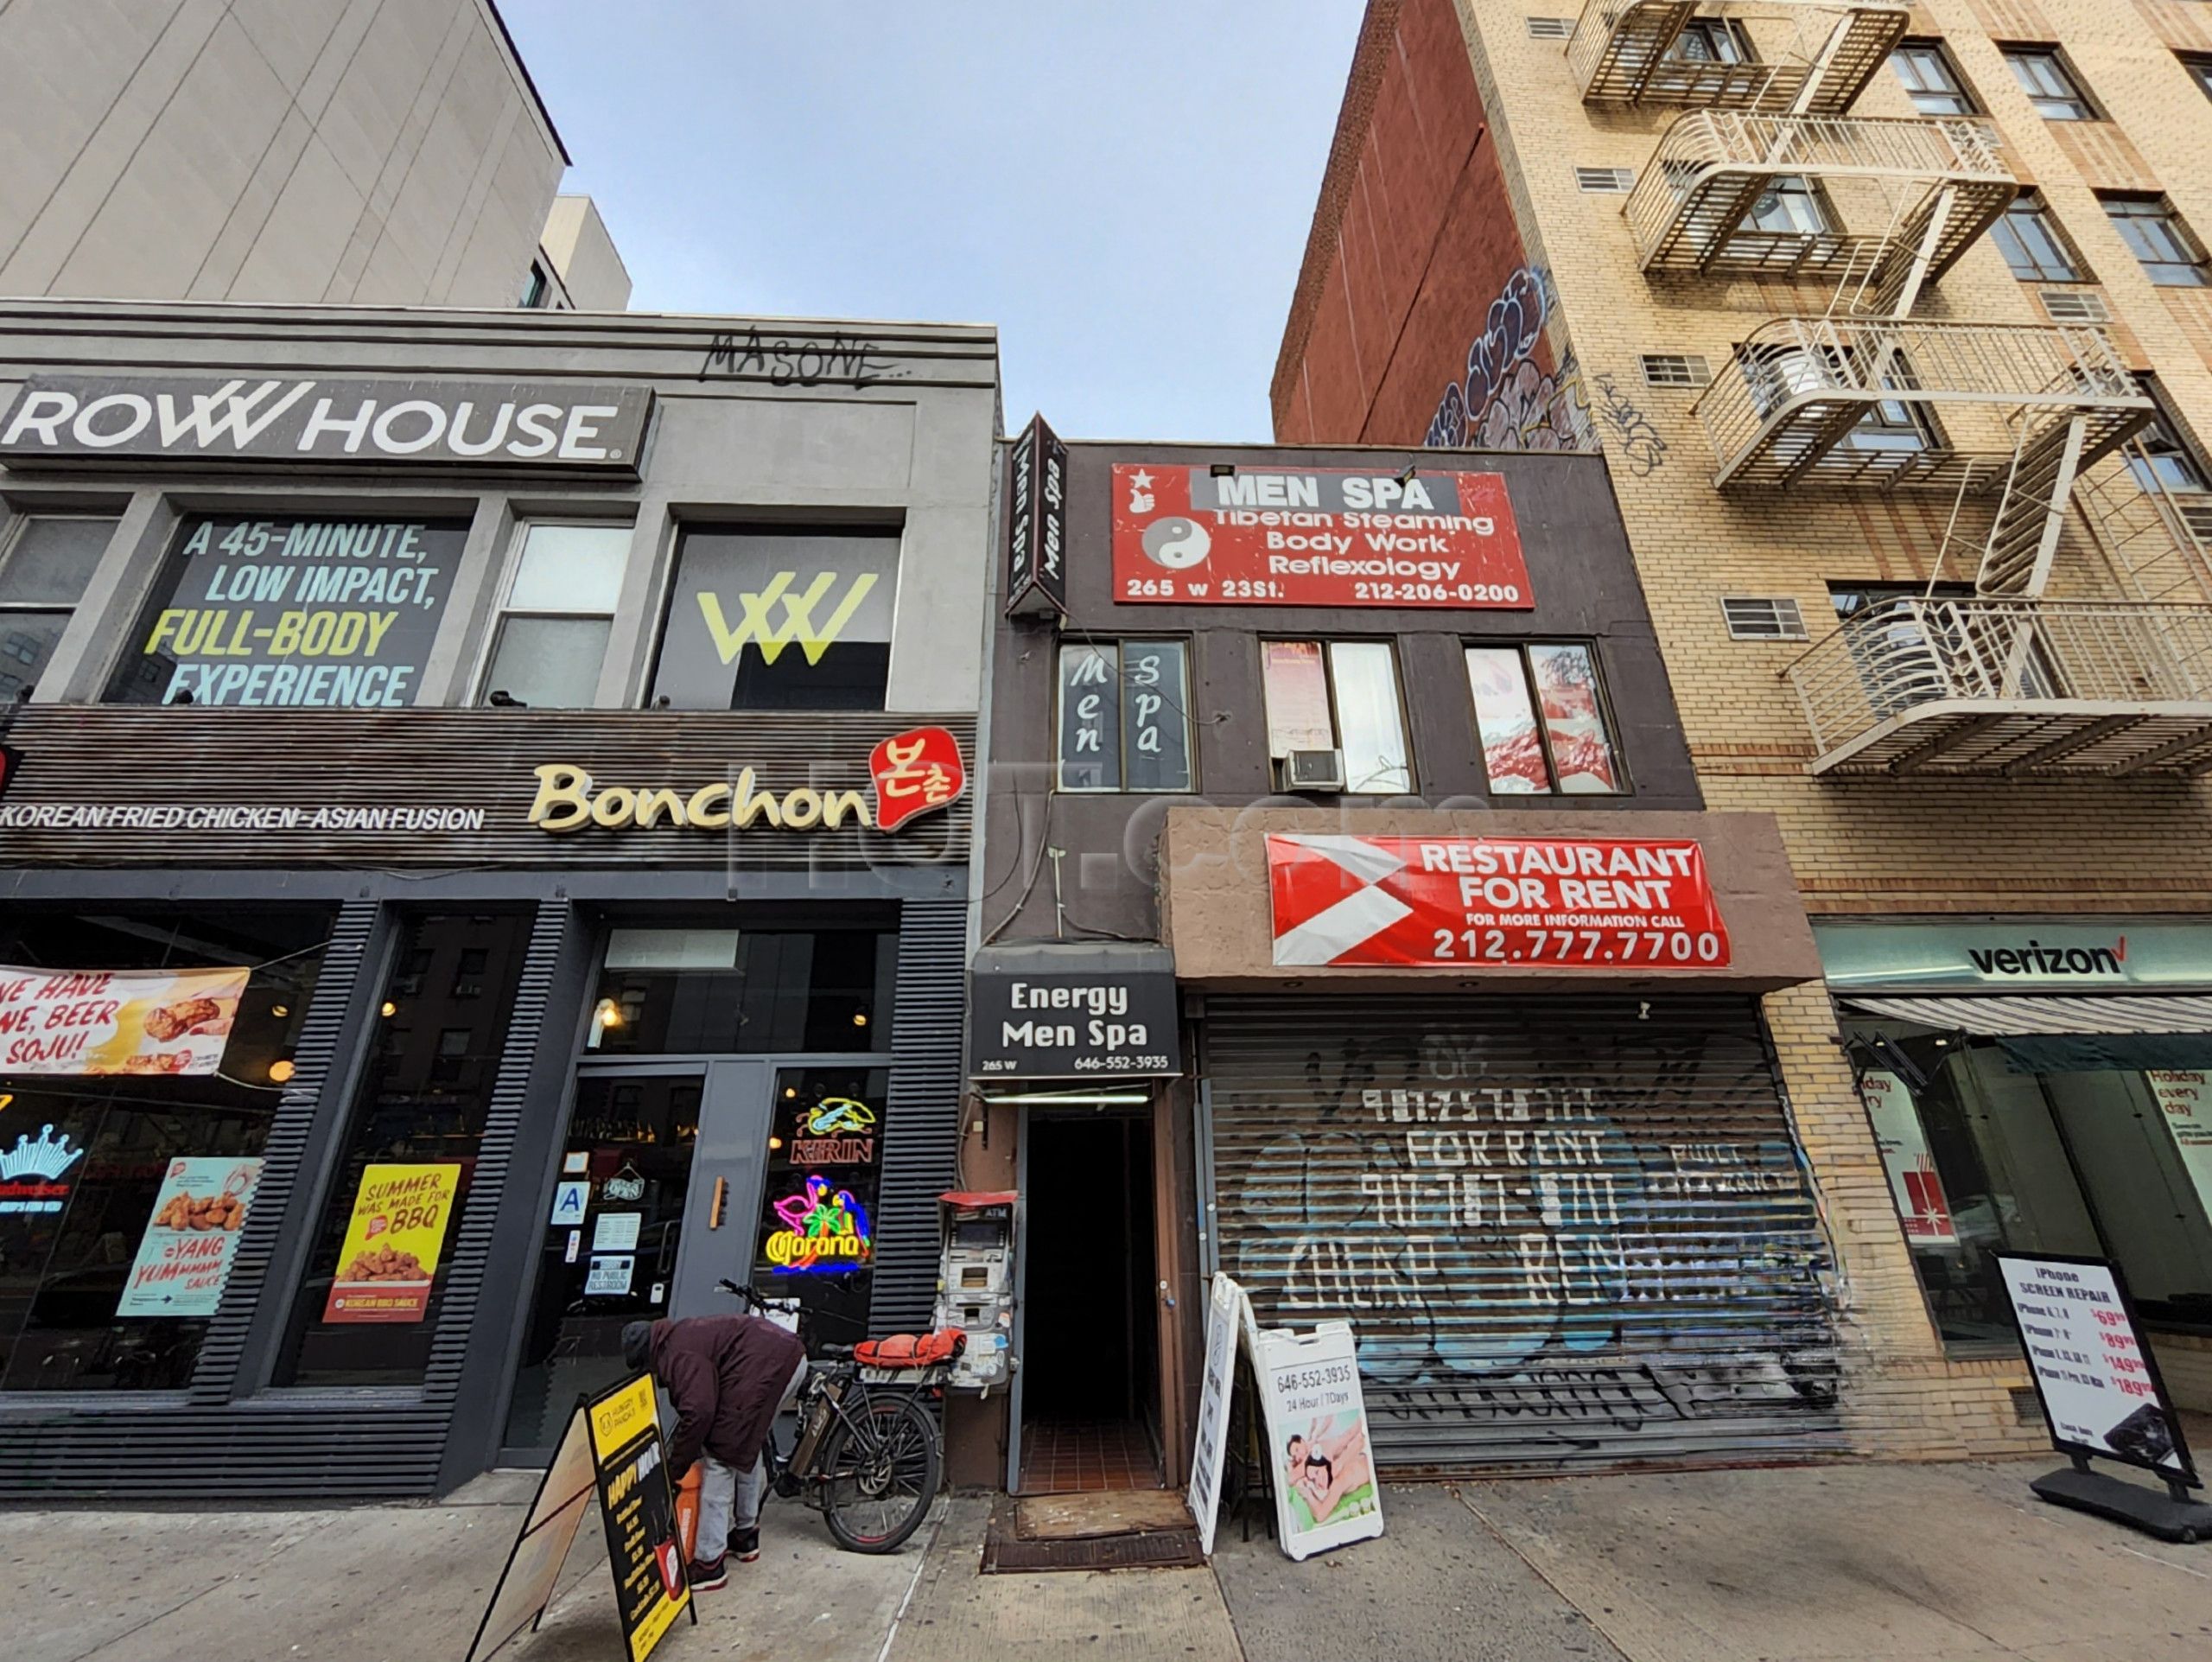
(1567, 1231)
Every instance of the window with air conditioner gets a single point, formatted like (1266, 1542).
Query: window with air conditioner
(1335, 702)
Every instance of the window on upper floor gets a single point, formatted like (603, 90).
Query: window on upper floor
(1712, 40)
(551, 639)
(536, 289)
(2033, 245)
(46, 559)
(1124, 715)
(780, 617)
(1790, 205)
(2162, 245)
(2161, 463)
(1540, 714)
(1931, 80)
(2049, 83)
(1340, 695)
(2199, 66)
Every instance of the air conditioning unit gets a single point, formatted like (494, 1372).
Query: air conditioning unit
(1312, 770)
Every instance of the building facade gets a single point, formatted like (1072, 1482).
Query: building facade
(300, 151)
(1892, 325)
(1320, 945)
(486, 854)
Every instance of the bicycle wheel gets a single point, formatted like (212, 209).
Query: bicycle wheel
(879, 1473)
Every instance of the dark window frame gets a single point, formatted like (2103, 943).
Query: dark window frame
(2028, 266)
(2127, 208)
(1521, 647)
(1947, 86)
(2064, 98)
(1325, 642)
(12, 535)
(1120, 644)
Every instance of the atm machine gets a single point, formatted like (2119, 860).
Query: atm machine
(975, 1287)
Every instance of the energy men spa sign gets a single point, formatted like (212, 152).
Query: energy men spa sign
(1315, 536)
(914, 772)
(326, 423)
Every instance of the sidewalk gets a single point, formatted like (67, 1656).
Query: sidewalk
(1919, 1563)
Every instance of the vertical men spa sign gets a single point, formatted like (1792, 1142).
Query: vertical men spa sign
(293, 613)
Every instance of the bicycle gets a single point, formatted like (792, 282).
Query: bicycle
(870, 1461)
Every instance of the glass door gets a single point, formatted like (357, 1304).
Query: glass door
(659, 1156)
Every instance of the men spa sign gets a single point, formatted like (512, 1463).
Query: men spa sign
(1444, 902)
(312, 421)
(1315, 536)
(914, 772)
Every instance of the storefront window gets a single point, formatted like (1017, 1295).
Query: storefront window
(1985, 1155)
(145, 1056)
(382, 1250)
(818, 1212)
(297, 613)
(732, 992)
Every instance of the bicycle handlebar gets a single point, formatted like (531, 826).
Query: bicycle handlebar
(744, 1293)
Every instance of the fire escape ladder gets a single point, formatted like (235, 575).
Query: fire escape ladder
(2157, 549)
(2032, 509)
(1898, 282)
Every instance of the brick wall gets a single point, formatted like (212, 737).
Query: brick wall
(1887, 847)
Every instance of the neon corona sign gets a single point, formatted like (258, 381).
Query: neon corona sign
(826, 1230)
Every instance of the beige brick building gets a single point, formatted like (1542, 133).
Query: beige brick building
(1893, 323)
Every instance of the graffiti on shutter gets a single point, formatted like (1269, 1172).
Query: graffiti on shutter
(1565, 1232)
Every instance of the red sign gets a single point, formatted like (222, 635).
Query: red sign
(1444, 902)
(915, 771)
(1315, 536)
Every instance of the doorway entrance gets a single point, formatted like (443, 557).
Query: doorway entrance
(1091, 1336)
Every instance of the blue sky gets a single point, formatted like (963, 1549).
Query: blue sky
(1123, 187)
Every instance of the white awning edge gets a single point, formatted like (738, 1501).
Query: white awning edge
(2047, 1014)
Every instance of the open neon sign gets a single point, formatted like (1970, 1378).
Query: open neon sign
(826, 1230)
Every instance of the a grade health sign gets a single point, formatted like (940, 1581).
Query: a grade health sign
(2098, 1381)
(1446, 902)
(166, 1023)
(1315, 536)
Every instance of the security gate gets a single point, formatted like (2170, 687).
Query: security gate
(1568, 1231)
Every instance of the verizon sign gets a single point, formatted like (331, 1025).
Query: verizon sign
(473, 424)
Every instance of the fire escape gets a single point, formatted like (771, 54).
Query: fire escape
(2030, 430)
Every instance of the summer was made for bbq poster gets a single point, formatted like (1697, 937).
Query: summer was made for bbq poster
(392, 1243)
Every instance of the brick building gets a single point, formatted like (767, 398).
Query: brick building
(1893, 324)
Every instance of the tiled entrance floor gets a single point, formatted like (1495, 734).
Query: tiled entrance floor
(1064, 1456)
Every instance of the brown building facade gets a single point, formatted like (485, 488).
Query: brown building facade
(1892, 324)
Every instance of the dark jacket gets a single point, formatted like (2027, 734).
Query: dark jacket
(726, 1375)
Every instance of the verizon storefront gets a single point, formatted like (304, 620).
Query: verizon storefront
(1498, 1092)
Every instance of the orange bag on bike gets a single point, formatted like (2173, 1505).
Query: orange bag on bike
(910, 1349)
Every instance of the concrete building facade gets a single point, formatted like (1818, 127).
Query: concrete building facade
(1893, 325)
(345, 151)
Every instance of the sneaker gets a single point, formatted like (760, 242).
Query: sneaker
(705, 1577)
(746, 1543)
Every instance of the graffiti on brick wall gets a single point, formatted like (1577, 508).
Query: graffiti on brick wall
(1550, 1256)
(1635, 441)
(1508, 399)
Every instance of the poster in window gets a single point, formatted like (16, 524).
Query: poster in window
(788, 619)
(1155, 705)
(1574, 721)
(1507, 723)
(165, 1022)
(184, 1257)
(1297, 686)
(2184, 1098)
(292, 613)
(390, 1257)
(1090, 719)
(1914, 1184)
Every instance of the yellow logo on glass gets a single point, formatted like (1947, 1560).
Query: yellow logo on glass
(757, 625)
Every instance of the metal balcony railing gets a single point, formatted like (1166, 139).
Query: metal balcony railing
(1634, 52)
(2010, 688)
(1731, 194)
(1852, 401)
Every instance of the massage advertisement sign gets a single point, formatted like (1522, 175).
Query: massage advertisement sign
(2097, 1381)
(1326, 1491)
(392, 1243)
(1446, 902)
(166, 1023)
(1246, 536)
(184, 1257)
